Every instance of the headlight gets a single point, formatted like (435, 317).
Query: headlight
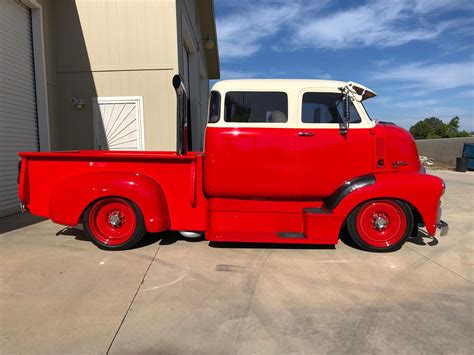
(444, 188)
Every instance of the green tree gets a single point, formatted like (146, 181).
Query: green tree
(433, 127)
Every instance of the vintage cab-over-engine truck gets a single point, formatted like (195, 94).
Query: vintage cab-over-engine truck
(285, 161)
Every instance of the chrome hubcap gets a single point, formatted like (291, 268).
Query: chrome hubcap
(379, 222)
(115, 219)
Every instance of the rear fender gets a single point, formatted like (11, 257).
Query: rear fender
(73, 195)
(423, 191)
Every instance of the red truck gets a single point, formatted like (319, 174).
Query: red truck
(285, 161)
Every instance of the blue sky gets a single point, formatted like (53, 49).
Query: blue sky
(418, 55)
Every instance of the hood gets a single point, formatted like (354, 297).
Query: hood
(402, 153)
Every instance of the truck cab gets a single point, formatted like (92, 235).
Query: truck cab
(285, 161)
(285, 138)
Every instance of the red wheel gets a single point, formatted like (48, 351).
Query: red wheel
(380, 225)
(114, 223)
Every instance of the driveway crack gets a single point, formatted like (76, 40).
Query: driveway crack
(441, 265)
(133, 300)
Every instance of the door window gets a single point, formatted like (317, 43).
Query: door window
(256, 107)
(326, 108)
(214, 106)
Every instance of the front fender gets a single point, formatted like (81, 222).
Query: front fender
(72, 195)
(423, 191)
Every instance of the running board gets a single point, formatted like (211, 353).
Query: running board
(293, 235)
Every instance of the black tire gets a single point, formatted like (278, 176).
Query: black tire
(358, 219)
(136, 230)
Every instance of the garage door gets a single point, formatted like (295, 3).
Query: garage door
(18, 119)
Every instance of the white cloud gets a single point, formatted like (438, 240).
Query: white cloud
(411, 115)
(467, 93)
(416, 103)
(246, 25)
(381, 23)
(238, 74)
(384, 62)
(241, 34)
(270, 73)
(428, 77)
(324, 76)
(243, 30)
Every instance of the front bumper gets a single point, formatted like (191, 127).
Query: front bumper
(442, 228)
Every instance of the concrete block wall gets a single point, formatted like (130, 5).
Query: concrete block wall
(444, 150)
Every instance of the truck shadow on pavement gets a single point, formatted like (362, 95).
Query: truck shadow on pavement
(17, 221)
(80, 235)
(164, 238)
(420, 238)
(169, 238)
(243, 245)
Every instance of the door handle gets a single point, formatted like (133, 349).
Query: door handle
(305, 134)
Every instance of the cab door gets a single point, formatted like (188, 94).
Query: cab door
(325, 157)
(250, 148)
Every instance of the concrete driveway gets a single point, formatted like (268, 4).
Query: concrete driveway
(60, 294)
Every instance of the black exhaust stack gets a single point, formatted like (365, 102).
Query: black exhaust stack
(182, 115)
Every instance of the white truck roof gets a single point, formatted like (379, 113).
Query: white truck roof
(287, 84)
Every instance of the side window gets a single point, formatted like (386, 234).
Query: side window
(214, 107)
(326, 108)
(256, 107)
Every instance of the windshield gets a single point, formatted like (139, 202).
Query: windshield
(366, 112)
(320, 107)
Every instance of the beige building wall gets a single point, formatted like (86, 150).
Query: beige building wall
(104, 48)
(116, 48)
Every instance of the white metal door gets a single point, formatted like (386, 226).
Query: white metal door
(18, 117)
(118, 123)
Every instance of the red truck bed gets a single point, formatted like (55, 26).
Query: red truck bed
(49, 182)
